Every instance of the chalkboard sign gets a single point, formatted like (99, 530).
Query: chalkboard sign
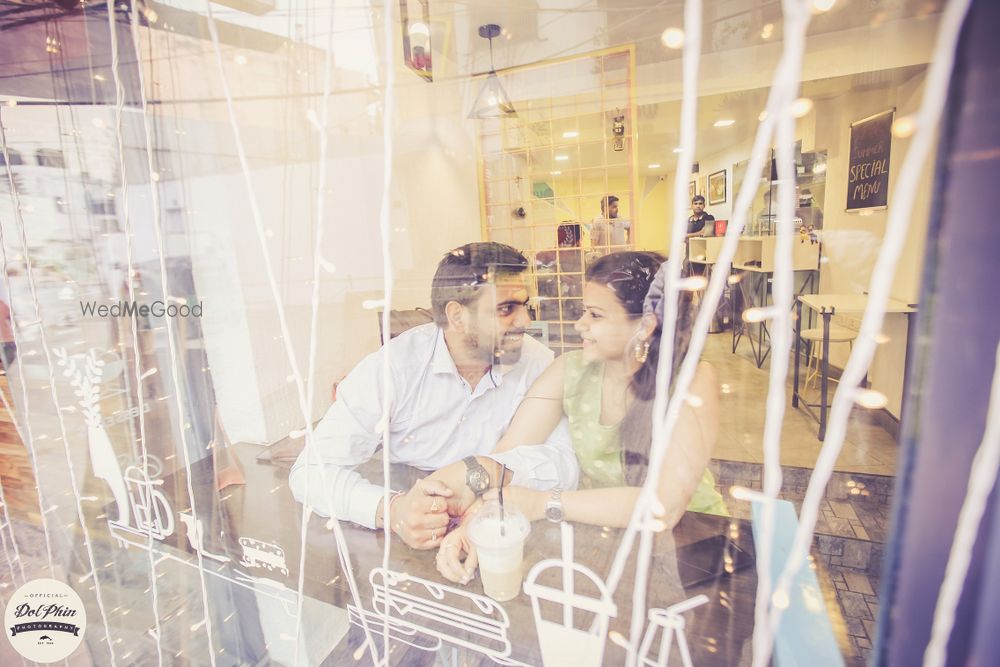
(868, 171)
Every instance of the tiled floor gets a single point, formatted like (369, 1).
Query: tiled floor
(868, 448)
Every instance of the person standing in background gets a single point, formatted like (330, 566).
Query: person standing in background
(608, 229)
(699, 219)
(9, 349)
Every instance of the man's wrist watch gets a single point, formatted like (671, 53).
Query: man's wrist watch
(554, 507)
(476, 476)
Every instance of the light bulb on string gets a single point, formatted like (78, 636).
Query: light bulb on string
(871, 399)
(672, 38)
(801, 107)
(904, 127)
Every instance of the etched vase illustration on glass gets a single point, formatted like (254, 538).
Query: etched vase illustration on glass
(142, 509)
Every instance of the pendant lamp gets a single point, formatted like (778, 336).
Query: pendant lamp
(492, 100)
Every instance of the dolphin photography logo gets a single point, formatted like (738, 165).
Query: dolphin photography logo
(133, 308)
(45, 620)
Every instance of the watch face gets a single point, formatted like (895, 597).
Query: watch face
(553, 513)
(478, 481)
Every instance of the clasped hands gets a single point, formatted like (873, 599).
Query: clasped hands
(457, 558)
(422, 516)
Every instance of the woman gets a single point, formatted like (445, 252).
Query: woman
(606, 392)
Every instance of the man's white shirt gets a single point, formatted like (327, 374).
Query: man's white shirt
(437, 418)
(609, 231)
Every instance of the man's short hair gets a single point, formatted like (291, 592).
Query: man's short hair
(463, 272)
(698, 198)
(606, 202)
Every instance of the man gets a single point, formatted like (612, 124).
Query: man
(8, 351)
(699, 218)
(456, 383)
(608, 229)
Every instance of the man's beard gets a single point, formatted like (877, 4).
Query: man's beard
(505, 350)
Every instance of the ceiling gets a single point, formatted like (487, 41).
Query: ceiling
(658, 123)
(534, 31)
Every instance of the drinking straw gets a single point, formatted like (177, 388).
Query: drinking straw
(503, 521)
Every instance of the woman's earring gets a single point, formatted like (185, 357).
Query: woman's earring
(642, 351)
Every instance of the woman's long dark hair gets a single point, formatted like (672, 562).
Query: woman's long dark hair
(629, 275)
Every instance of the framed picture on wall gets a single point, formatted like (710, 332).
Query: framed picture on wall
(717, 187)
(692, 189)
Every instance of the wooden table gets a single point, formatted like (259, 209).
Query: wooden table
(251, 543)
(826, 306)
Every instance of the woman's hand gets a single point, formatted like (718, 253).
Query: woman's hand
(530, 502)
(449, 556)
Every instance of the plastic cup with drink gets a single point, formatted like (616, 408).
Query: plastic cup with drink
(499, 537)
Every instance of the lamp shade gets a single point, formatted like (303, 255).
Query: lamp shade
(492, 100)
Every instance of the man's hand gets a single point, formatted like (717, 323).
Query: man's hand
(420, 516)
(453, 476)
(460, 502)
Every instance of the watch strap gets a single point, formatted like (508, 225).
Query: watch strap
(554, 506)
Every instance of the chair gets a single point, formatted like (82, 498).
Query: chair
(403, 320)
(815, 338)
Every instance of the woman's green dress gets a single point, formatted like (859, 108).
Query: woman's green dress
(597, 446)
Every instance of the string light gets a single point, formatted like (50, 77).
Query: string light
(43, 339)
(904, 127)
(896, 233)
(692, 283)
(360, 651)
(754, 315)
(801, 107)
(694, 401)
(672, 38)
(871, 399)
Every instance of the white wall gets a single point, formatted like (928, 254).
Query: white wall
(435, 207)
(718, 162)
(852, 240)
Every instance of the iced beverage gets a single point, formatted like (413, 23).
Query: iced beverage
(501, 552)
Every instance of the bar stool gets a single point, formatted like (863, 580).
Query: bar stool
(815, 337)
